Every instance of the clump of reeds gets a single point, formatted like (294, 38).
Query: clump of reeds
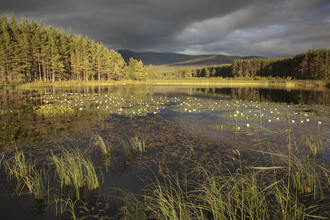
(315, 146)
(75, 169)
(138, 145)
(100, 142)
(215, 192)
(27, 176)
(131, 147)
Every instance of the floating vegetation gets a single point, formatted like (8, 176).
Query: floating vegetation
(280, 169)
(48, 111)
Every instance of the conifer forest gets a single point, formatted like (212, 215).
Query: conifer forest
(31, 52)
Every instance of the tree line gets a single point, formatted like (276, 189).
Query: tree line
(313, 64)
(31, 52)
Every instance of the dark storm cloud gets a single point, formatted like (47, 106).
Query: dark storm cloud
(259, 27)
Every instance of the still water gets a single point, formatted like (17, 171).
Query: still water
(176, 124)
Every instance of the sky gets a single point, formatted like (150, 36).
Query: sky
(271, 28)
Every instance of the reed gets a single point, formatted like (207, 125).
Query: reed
(138, 145)
(100, 142)
(125, 149)
(75, 169)
(27, 176)
(131, 147)
(315, 146)
(130, 205)
(215, 192)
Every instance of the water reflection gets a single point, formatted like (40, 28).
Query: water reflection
(170, 119)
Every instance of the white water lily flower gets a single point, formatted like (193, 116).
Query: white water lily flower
(247, 125)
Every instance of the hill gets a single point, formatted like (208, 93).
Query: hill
(157, 58)
(171, 61)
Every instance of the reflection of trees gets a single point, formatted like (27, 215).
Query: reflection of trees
(272, 95)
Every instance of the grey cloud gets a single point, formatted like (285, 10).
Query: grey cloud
(268, 28)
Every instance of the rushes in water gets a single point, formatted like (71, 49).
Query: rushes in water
(27, 176)
(101, 143)
(247, 193)
(138, 145)
(74, 169)
(315, 146)
(131, 147)
(131, 206)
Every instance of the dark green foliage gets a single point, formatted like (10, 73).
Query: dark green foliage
(313, 64)
(31, 52)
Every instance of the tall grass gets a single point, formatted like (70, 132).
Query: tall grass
(27, 176)
(291, 187)
(133, 146)
(100, 142)
(74, 169)
(247, 193)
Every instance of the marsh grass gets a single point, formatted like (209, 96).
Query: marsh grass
(105, 147)
(27, 175)
(138, 145)
(131, 147)
(215, 192)
(75, 169)
(66, 204)
(315, 145)
(291, 186)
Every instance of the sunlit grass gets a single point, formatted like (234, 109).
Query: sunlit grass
(131, 147)
(247, 193)
(27, 176)
(74, 169)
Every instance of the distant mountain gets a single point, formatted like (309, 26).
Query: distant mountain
(175, 59)
(214, 60)
(157, 58)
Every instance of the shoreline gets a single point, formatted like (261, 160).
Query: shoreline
(193, 82)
